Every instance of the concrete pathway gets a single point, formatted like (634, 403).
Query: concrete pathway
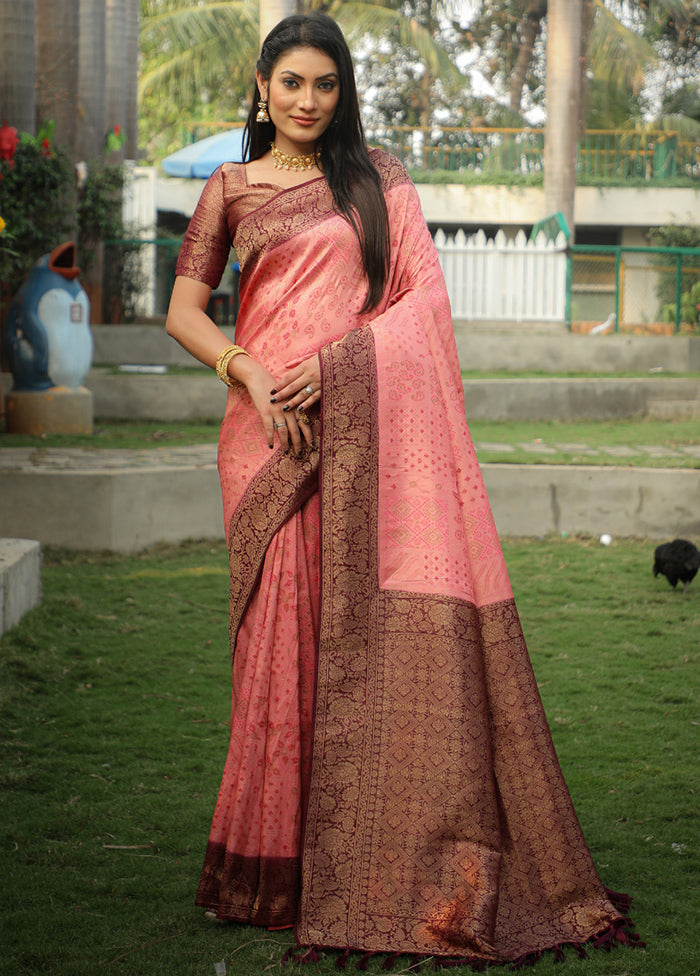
(204, 455)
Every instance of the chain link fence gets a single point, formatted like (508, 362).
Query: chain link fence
(642, 290)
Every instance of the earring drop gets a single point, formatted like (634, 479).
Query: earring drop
(262, 115)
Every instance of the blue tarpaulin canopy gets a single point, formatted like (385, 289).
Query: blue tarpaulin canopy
(200, 159)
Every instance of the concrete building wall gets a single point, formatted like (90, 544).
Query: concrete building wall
(511, 206)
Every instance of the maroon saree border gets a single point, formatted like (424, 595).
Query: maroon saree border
(252, 890)
(273, 495)
(437, 821)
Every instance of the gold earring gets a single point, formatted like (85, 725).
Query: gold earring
(262, 115)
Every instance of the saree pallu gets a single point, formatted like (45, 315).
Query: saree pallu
(391, 783)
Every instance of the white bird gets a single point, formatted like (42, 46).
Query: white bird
(605, 326)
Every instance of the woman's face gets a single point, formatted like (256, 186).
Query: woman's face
(301, 95)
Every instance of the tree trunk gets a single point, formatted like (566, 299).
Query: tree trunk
(132, 75)
(56, 50)
(116, 71)
(272, 12)
(587, 17)
(530, 27)
(92, 89)
(563, 80)
(17, 98)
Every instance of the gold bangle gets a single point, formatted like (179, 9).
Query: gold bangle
(224, 358)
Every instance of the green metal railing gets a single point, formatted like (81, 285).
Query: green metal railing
(604, 155)
(633, 289)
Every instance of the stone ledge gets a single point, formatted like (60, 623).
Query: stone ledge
(129, 510)
(20, 580)
(191, 397)
(499, 346)
(118, 510)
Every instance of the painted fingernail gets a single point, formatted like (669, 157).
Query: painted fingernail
(273, 399)
(286, 408)
(272, 392)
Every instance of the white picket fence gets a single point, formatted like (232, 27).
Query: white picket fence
(139, 213)
(504, 279)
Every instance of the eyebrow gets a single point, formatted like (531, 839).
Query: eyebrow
(293, 74)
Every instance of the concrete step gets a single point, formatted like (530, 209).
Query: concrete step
(127, 508)
(488, 349)
(197, 396)
(674, 410)
(173, 397)
(20, 579)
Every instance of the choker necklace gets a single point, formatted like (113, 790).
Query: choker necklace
(281, 160)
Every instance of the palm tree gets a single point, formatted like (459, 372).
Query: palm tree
(197, 62)
(187, 50)
(529, 31)
(17, 19)
(564, 48)
(414, 35)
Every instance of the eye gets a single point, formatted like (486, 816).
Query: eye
(289, 83)
(327, 86)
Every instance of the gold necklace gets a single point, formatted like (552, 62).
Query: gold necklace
(281, 160)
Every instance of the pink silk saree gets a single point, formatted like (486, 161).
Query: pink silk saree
(391, 783)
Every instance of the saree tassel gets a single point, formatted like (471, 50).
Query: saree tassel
(605, 939)
(305, 955)
(342, 960)
(390, 960)
(362, 963)
(618, 933)
(311, 955)
(621, 901)
(528, 959)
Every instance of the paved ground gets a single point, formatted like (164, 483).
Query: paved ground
(204, 455)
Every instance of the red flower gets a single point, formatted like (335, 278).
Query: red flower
(8, 142)
(46, 148)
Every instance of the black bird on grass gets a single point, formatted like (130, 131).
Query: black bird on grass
(677, 560)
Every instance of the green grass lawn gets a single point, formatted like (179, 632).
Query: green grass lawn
(497, 442)
(114, 700)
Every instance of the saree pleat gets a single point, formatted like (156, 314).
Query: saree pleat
(251, 870)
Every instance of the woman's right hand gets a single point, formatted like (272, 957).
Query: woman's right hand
(259, 381)
(189, 324)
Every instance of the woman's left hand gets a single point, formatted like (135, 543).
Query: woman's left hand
(300, 387)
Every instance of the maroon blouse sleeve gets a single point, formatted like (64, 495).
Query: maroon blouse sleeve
(207, 244)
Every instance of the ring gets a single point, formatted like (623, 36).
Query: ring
(277, 426)
(303, 416)
(308, 389)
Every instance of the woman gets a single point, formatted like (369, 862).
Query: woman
(390, 784)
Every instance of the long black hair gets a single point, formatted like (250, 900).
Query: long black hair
(347, 168)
